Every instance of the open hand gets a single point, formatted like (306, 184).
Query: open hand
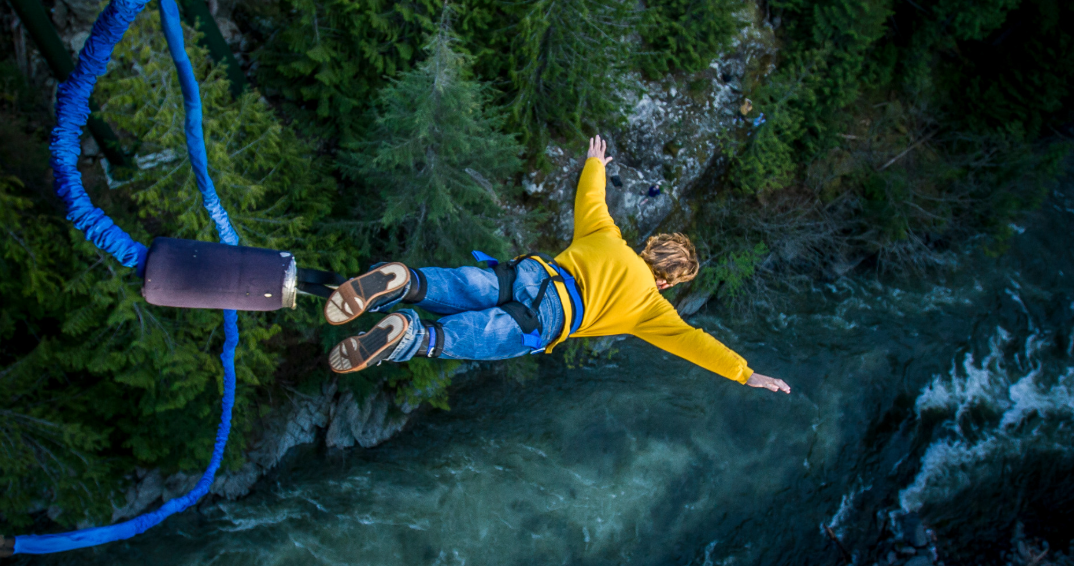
(769, 383)
(597, 148)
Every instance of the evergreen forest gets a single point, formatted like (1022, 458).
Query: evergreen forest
(893, 132)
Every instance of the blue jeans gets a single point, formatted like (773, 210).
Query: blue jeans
(475, 328)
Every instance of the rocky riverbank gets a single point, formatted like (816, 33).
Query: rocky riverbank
(339, 416)
(907, 540)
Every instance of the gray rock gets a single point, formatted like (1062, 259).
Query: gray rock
(892, 557)
(76, 40)
(693, 302)
(919, 538)
(179, 484)
(919, 561)
(233, 485)
(230, 31)
(90, 147)
(369, 423)
(83, 12)
(140, 495)
(300, 427)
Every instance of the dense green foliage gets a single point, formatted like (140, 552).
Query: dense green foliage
(567, 65)
(559, 66)
(48, 443)
(685, 34)
(331, 57)
(96, 381)
(896, 128)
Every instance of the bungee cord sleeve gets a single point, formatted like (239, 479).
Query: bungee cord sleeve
(72, 111)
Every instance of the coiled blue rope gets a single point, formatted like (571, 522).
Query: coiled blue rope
(72, 110)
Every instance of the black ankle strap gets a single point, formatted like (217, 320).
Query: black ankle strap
(434, 332)
(418, 287)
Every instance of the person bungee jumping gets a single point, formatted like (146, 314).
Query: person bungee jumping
(601, 288)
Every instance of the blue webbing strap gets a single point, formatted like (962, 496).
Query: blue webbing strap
(482, 256)
(72, 109)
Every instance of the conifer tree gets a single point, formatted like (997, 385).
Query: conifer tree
(328, 58)
(567, 66)
(685, 34)
(438, 158)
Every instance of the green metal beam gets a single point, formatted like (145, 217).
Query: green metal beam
(36, 21)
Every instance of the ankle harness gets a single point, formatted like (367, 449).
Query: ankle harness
(527, 316)
(432, 343)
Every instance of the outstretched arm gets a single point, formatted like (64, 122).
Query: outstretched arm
(667, 331)
(590, 208)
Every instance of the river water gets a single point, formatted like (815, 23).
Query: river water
(952, 398)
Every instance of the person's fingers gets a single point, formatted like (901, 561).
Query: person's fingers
(603, 145)
(608, 159)
(590, 145)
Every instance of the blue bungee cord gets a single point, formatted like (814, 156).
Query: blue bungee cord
(72, 110)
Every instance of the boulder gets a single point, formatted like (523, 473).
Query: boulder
(233, 485)
(919, 537)
(141, 495)
(179, 484)
(693, 302)
(368, 423)
(307, 414)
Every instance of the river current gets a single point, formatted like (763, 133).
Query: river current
(952, 398)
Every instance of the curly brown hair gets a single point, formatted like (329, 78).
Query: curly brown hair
(672, 257)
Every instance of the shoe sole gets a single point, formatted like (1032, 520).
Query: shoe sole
(352, 298)
(359, 352)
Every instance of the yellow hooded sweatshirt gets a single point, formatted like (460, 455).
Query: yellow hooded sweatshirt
(619, 290)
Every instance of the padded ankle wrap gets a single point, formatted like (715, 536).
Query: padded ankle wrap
(418, 287)
(434, 332)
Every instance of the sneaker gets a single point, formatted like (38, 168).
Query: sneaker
(378, 287)
(369, 348)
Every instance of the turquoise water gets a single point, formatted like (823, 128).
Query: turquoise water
(952, 398)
